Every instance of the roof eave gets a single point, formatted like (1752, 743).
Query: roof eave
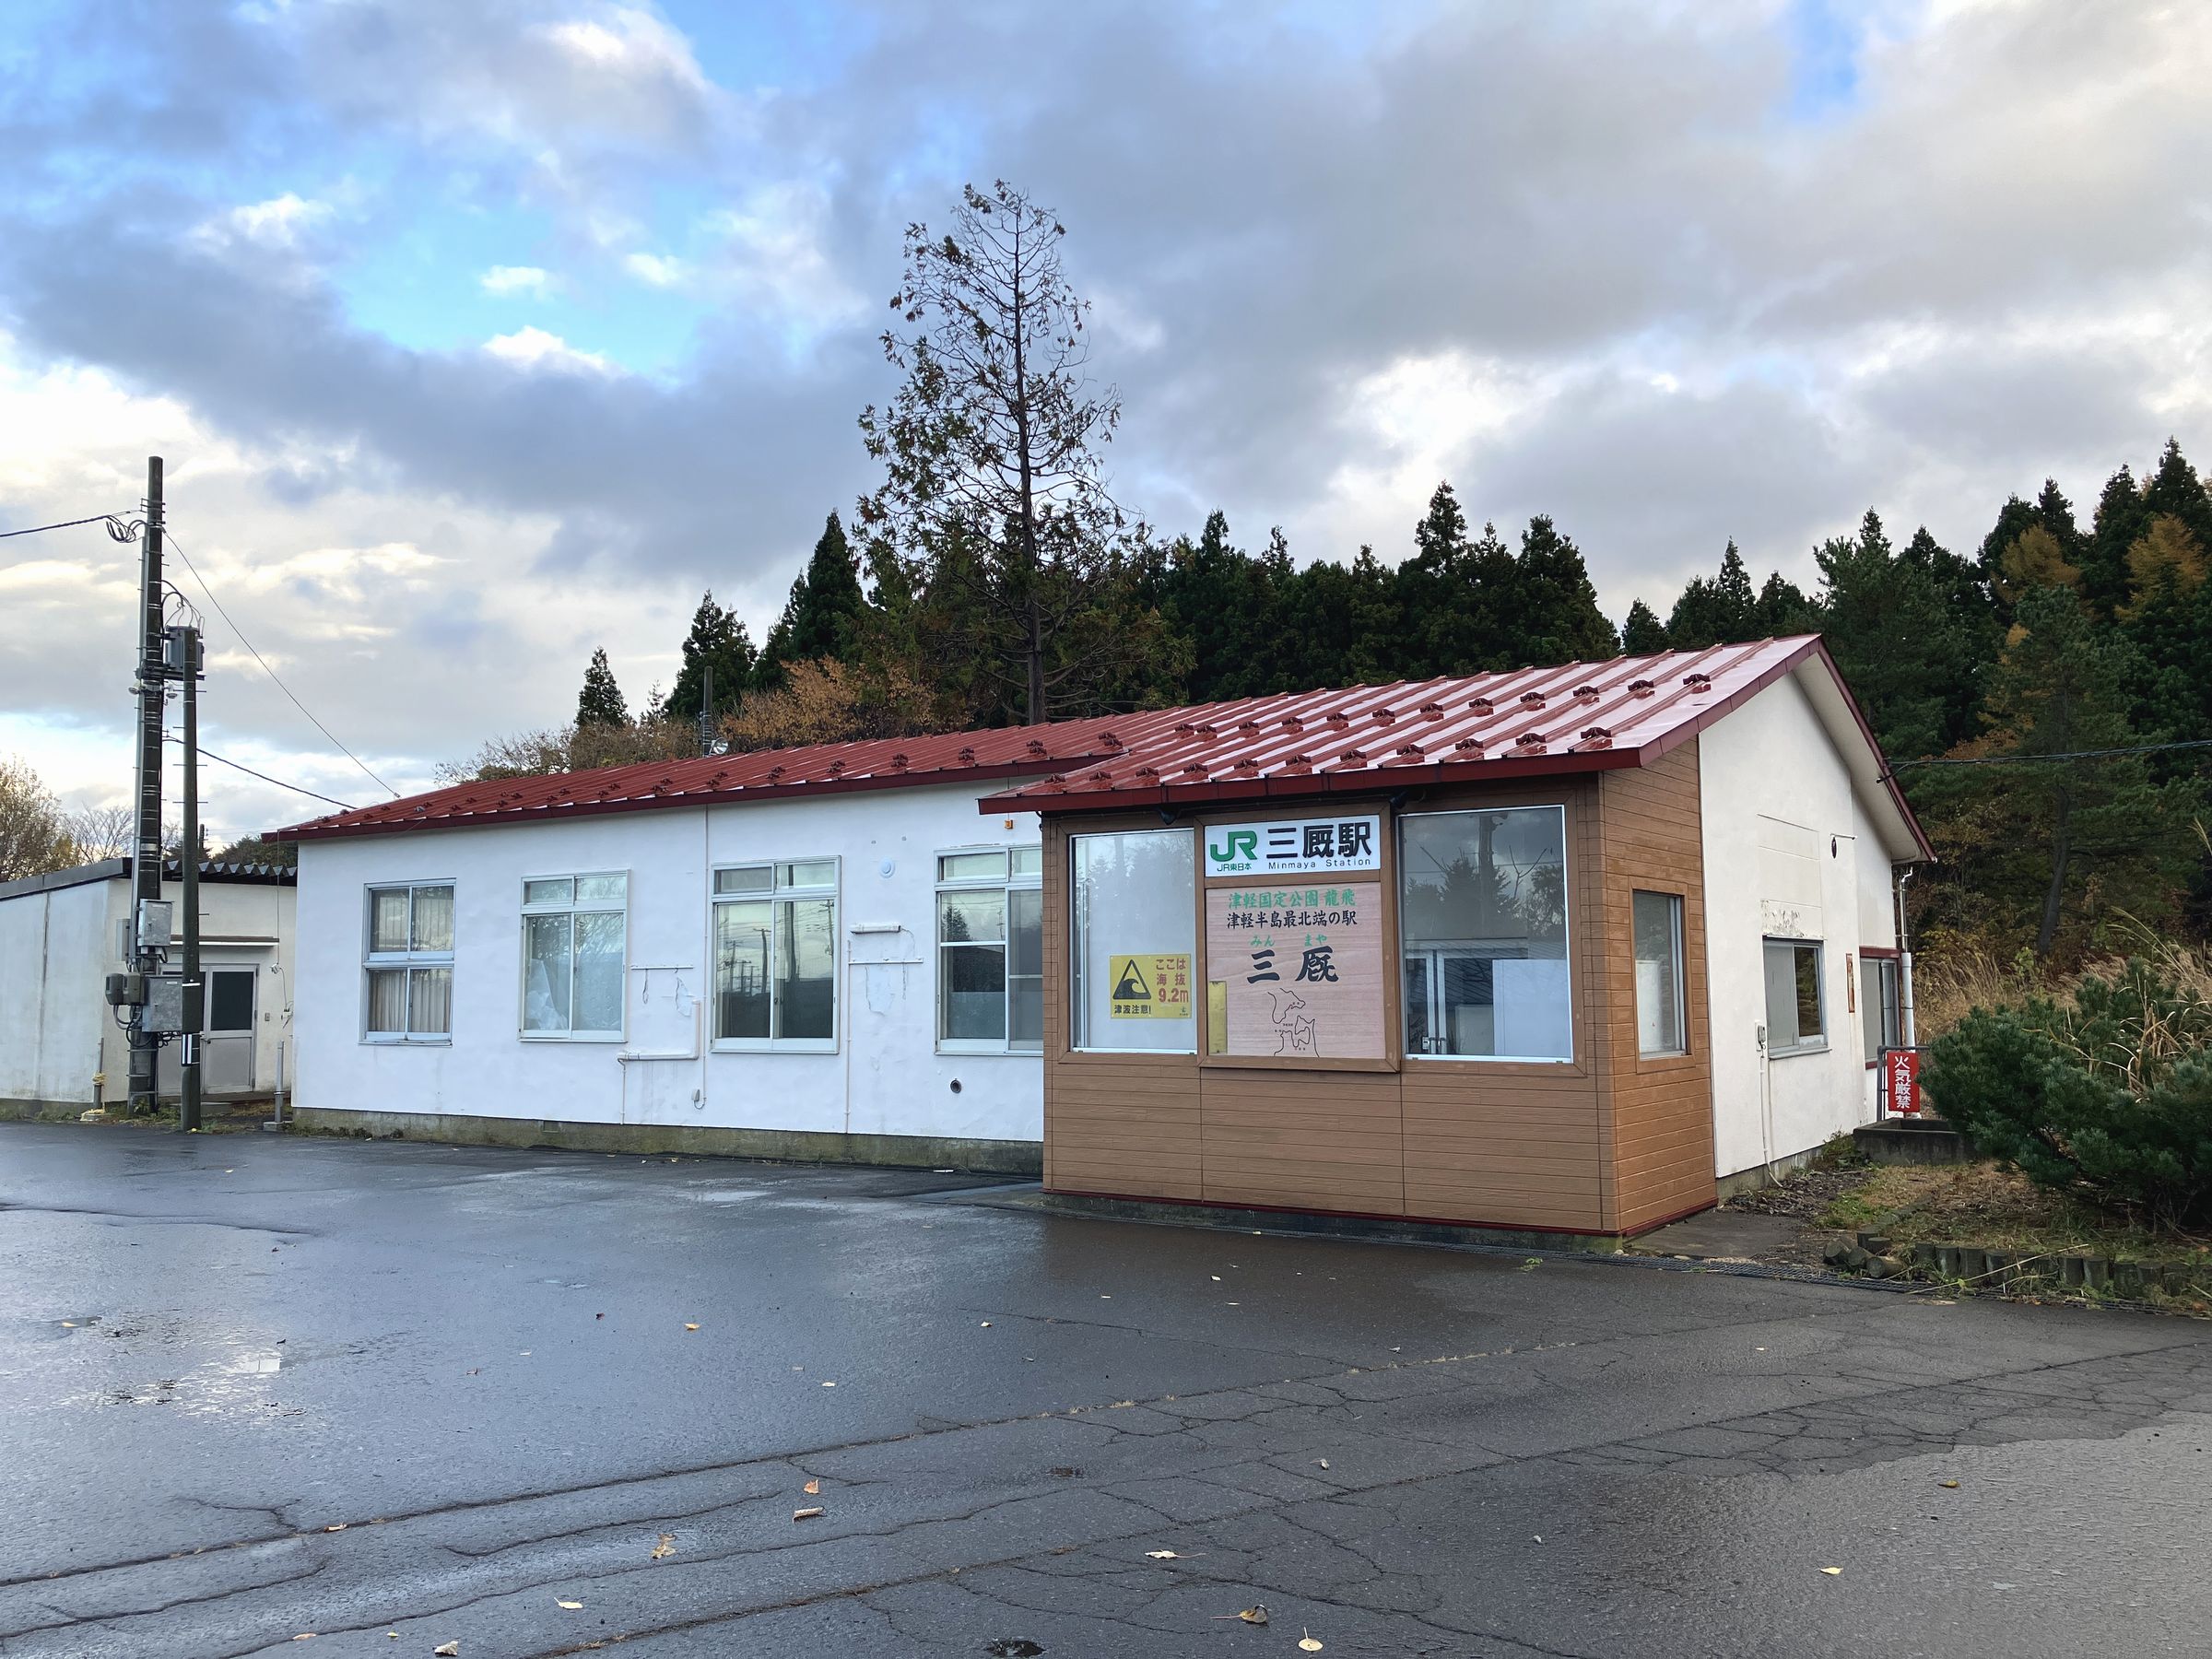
(1028, 768)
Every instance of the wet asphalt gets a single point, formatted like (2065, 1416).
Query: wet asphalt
(400, 1396)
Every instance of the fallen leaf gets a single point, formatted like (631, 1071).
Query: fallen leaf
(1306, 1643)
(828, 1385)
(1104, 1297)
(1322, 1461)
(690, 1327)
(666, 1546)
(1216, 1277)
(1833, 1572)
(338, 1526)
(68, 1324)
(1160, 1555)
(572, 1607)
(806, 1515)
(813, 1487)
(449, 1651)
(986, 1325)
(1255, 1614)
(1947, 1483)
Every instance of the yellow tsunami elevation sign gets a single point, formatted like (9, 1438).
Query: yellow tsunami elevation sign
(1150, 986)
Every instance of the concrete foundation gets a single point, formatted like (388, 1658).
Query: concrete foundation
(1911, 1141)
(1766, 1174)
(783, 1145)
(1322, 1223)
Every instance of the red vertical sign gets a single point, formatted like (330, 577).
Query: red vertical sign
(1901, 1081)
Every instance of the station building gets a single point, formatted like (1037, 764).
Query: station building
(1562, 950)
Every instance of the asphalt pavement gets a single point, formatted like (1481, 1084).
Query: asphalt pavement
(394, 1395)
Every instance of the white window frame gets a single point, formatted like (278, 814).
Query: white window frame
(779, 891)
(1005, 882)
(1877, 971)
(1819, 949)
(373, 959)
(572, 908)
(1407, 948)
(1675, 907)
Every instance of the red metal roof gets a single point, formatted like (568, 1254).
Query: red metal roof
(1525, 722)
(820, 768)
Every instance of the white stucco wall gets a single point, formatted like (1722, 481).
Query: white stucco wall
(1790, 851)
(885, 1077)
(51, 1010)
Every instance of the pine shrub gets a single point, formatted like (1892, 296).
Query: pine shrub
(2107, 1096)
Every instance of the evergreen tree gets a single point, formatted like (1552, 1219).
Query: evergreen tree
(1553, 608)
(1643, 635)
(2040, 834)
(1457, 595)
(1721, 610)
(1782, 608)
(2121, 522)
(1903, 648)
(820, 615)
(718, 637)
(600, 702)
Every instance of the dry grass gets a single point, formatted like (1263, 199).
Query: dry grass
(1947, 987)
(1986, 1205)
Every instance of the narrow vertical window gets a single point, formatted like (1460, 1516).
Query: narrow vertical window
(1661, 1028)
(407, 968)
(991, 950)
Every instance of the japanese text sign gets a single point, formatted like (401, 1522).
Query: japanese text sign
(1154, 986)
(1294, 847)
(1900, 1082)
(1295, 973)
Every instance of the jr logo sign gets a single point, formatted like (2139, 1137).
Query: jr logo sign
(1295, 847)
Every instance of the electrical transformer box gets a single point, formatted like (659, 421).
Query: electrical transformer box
(155, 921)
(164, 1004)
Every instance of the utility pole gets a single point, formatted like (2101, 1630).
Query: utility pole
(145, 859)
(706, 709)
(185, 661)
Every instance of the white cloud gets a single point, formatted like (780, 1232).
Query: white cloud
(276, 223)
(775, 256)
(655, 270)
(506, 280)
(534, 347)
(628, 45)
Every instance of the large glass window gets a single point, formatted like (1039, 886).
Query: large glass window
(1795, 1024)
(1482, 907)
(1660, 1028)
(775, 955)
(1880, 1006)
(1132, 895)
(991, 949)
(574, 939)
(408, 965)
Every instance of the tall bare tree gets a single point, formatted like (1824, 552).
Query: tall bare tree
(995, 478)
(102, 833)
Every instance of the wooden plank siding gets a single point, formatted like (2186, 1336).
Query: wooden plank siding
(1606, 1143)
(1661, 1108)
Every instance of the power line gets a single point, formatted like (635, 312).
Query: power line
(208, 754)
(2101, 754)
(170, 537)
(116, 528)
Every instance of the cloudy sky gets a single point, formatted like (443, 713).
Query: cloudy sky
(479, 333)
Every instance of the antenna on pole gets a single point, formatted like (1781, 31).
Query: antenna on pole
(706, 710)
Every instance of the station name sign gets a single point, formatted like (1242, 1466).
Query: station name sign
(1294, 847)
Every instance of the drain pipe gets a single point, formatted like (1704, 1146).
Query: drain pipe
(1905, 963)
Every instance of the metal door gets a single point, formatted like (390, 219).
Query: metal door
(227, 1051)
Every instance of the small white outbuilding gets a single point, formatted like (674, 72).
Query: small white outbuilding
(62, 932)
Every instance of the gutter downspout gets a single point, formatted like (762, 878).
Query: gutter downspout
(1905, 958)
